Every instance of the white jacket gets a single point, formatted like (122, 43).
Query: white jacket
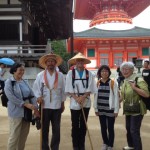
(113, 98)
(69, 88)
(58, 94)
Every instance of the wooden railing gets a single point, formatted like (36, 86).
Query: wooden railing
(24, 50)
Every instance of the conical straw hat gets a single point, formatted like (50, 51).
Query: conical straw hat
(43, 59)
(72, 61)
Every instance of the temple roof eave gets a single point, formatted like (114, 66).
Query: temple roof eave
(99, 33)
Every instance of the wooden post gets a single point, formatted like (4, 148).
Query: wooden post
(71, 38)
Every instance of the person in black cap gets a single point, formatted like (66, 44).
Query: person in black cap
(146, 73)
(120, 78)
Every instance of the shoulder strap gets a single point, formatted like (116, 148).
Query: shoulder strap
(136, 79)
(98, 82)
(30, 95)
(73, 77)
(87, 78)
(112, 85)
(13, 83)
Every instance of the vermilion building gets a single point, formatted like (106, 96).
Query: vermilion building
(108, 46)
(112, 47)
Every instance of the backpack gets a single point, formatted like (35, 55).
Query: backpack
(87, 78)
(111, 84)
(4, 98)
(144, 99)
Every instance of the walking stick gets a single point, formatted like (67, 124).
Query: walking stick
(85, 121)
(41, 113)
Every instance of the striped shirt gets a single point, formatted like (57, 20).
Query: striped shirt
(103, 99)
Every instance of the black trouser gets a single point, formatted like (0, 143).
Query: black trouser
(133, 125)
(79, 128)
(53, 116)
(107, 129)
(2, 84)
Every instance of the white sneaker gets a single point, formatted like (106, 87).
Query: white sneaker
(110, 148)
(104, 147)
(128, 148)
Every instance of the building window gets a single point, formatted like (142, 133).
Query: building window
(91, 53)
(145, 51)
(118, 55)
(9, 30)
(118, 59)
(104, 55)
(131, 55)
(104, 59)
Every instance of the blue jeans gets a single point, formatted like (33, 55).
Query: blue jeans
(107, 129)
(133, 125)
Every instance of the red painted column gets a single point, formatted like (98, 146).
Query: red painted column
(97, 54)
(111, 65)
(139, 50)
(84, 49)
(125, 55)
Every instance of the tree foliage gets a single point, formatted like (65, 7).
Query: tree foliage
(59, 48)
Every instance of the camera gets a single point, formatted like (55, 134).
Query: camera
(37, 121)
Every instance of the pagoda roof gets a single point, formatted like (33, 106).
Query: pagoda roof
(100, 33)
(86, 9)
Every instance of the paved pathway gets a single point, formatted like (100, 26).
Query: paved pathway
(66, 144)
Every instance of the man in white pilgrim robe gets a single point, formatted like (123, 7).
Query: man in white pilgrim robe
(49, 88)
(80, 83)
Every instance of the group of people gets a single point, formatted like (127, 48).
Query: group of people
(50, 90)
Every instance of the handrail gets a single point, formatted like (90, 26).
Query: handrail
(24, 49)
(22, 45)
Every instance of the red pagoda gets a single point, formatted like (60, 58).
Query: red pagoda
(106, 11)
(111, 47)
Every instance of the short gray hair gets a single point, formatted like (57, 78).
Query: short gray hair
(128, 64)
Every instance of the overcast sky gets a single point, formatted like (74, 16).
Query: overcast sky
(142, 20)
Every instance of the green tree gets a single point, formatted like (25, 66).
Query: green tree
(59, 47)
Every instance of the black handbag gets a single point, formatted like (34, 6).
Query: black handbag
(27, 115)
(27, 112)
(132, 108)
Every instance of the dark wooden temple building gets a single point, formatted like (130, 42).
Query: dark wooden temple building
(26, 25)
